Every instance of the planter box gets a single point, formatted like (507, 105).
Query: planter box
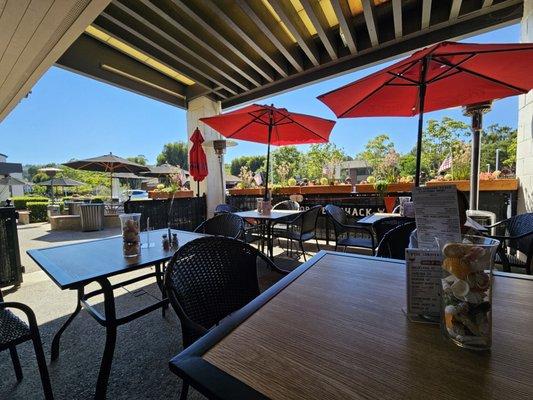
(167, 195)
(24, 217)
(392, 187)
(247, 192)
(484, 185)
(288, 190)
(326, 189)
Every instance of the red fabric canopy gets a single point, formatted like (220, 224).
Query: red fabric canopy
(197, 159)
(457, 74)
(251, 123)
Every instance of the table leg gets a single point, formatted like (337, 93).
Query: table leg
(111, 338)
(158, 277)
(270, 244)
(57, 337)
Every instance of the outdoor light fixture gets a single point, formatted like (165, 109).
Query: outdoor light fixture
(117, 71)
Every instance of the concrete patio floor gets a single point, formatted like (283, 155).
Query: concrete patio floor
(144, 347)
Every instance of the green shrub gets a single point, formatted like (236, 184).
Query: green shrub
(98, 200)
(20, 202)
(37, 211)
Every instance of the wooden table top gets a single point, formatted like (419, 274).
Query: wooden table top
(334, 329)
(370, 219)
(273, 215)
(74, 265)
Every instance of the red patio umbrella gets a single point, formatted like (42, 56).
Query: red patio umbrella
(445, 75)
(272, 126)
(197, 159)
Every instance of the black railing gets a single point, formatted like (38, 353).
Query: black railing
(186, 213)
(10, 266)
(358, 205)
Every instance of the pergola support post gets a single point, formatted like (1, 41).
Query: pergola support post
(196, 109)
(524, 153)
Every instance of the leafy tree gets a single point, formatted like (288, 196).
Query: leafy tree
(175, 153)
(140, 159)
(320, 156)
(498, 137)
(439, 138)
(252, 163)
(289, 156)
(376, 150)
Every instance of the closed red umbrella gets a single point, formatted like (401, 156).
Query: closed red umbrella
(441, 76)
(197, 159)
(271, 125)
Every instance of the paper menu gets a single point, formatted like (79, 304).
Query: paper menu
(437, 215)
(424, 274)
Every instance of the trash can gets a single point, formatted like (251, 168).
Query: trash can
(92, 217)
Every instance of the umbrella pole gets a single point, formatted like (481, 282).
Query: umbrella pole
(198, 188)
(268, 156)
(421, 103)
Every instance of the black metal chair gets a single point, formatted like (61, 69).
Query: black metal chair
(518, 236)
(226, 224)
(303, 228)
(208, 279)
(342, 229)
(14, 331)
(395, 241)
(225, 208)
(282, 224)
(383, 225)
(287, 205)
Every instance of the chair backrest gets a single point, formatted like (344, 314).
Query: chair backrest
(521, 225)
(208, 279)
(383, 225)
(287, 205)
(337, 217)
(225, 208)
(395, 241)
(225, 224)
(308, 220)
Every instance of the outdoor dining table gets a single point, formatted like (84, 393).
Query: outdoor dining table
(370, 219)
(268, 219)
(75, 266)
(334, 329)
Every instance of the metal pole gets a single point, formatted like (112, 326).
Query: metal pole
(421, 102)
(268, 153)
(476, 111)
(497, 166)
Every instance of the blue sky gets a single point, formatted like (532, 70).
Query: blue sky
(72, 116)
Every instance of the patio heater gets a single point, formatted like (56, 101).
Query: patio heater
(220, 146)
(476, 111)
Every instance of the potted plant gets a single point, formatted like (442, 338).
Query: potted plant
(382, 187)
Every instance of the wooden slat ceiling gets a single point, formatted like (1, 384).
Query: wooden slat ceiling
(236, 51)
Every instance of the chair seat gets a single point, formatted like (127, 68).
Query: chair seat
(355, 242)
(12, 328)
(513, 260)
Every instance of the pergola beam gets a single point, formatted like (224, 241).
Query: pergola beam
(187, 50)
(370, 19)
(397, 17)
(296, 27)
(257, 13)
(487, 3)
(202, 42)
(456, 7)
(318, 19)
(184, 7)
(426, 13)
(182, 66)
(250, 41)
(342, 12)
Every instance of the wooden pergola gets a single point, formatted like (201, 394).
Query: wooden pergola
(236, 51)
